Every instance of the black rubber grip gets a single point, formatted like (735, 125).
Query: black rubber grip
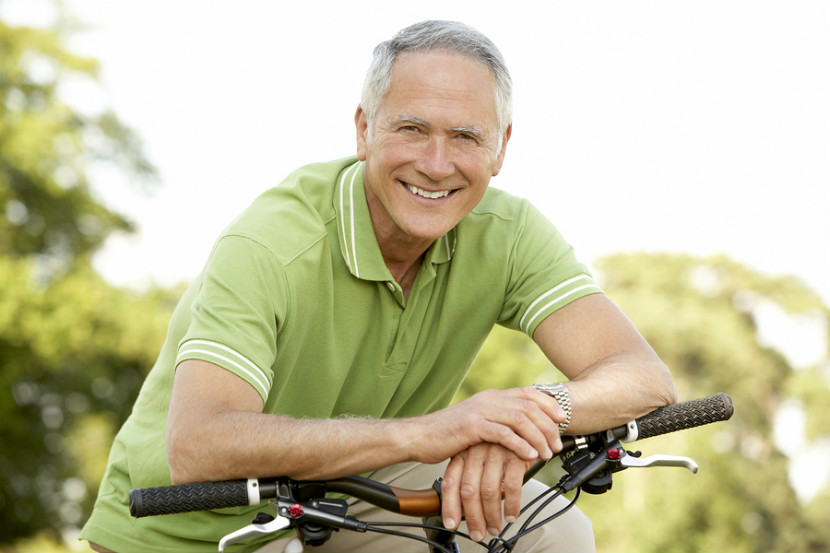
(688, 414)
(184, 498)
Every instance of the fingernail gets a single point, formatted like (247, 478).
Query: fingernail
(533, 454)
(549, 454)
(493, 532)
(449, 523)
(476, 535)
(510, 518)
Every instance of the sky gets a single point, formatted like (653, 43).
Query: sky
(699, 127)
(695, 127)
(691, 127)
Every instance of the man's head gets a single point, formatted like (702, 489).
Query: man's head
(432, 130)
(429, 36)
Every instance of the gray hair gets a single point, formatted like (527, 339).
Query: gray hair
(437, 35)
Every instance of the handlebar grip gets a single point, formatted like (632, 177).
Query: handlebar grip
(687, 414)
(183, 498)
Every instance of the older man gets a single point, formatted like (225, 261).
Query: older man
(336, 317)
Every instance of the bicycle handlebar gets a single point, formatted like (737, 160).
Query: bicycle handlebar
(201, 496)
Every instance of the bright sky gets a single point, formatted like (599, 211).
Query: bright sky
(700, 127)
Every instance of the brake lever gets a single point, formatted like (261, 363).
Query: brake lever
(255, 529)
(659, 460)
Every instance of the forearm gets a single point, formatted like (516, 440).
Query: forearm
(614, 375)
(237, 444)
(618, 390)
(216, 430)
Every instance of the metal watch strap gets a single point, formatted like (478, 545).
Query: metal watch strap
(560, 392)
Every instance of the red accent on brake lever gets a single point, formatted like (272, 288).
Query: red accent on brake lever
(295, 510)
(614, 454)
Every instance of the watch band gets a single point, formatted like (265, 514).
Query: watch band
(560, 392)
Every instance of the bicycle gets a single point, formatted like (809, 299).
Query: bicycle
(589, 462)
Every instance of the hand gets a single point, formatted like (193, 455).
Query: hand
(473, 485)
(522, 420)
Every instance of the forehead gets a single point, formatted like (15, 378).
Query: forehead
(442, 81)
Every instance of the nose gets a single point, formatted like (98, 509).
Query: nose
(435, 161)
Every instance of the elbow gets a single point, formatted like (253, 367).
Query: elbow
(664, 388)
(180, 458)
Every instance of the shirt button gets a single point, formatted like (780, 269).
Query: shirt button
(390, 286)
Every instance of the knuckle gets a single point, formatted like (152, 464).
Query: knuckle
(512, 486)
(490, 492)
(504, 433)
(518, 418)
(468, 491)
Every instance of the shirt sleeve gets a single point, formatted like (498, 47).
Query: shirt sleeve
(236, 313)
(545, 274)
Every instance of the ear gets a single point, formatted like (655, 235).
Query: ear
(362, 128)
(504, 140)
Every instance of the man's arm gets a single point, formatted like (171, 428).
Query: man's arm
(216, 430)
(614, 377)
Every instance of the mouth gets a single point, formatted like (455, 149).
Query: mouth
(432, 195)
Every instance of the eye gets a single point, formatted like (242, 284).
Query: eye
(467, 137)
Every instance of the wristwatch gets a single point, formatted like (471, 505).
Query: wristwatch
(560, 392)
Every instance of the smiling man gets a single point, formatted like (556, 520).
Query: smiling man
(430, 151)
(337, 316)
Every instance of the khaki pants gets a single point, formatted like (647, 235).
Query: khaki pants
(571, 533)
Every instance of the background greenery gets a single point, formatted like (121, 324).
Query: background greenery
(74, 349)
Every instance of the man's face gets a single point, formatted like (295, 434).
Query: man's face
(432, 149)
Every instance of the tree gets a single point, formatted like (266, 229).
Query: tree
(73, 349)
(73, 355)
(46, 148)
(702, 316)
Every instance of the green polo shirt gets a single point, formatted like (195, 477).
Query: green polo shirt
(296, 300)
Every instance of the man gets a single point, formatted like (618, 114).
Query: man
(337, 316)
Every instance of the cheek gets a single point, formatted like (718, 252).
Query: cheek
(477, 169)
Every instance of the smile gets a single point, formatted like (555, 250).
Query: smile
(427, 193)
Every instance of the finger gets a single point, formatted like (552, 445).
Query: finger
(470, 491)
(553, 414)
(507, 437)
(492, 479)
(513, 478)
(521, 427)
(512, 418)
(450, 494)
(546, 403)
(540, 411)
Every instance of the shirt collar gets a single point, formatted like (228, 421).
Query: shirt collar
(358, 242)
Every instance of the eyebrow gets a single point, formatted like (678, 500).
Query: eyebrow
(415, 121)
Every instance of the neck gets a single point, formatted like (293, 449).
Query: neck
(404, 272)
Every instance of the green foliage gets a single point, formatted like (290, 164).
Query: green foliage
(701, 316)
(73, 350)
(72, 357)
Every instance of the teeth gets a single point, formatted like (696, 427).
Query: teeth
(426, 193)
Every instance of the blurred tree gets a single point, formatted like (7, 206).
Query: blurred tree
(73, 350)
(702, 316)
(46, 146)
(72, 357)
